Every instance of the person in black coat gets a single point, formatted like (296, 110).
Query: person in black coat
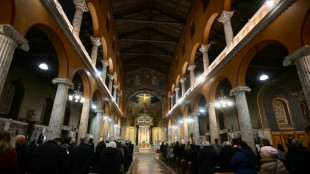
(207, 159)
(22, 155)
(111, 160)
(49, 158)
(306, 157)
(81, 157)
(226, 154)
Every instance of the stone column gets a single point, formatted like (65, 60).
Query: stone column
(214, 132)
(10, 39)
(303, 104)
(171, 100)
(225, 19)
(111, 136)
(196, 128)
(105, 128)
(137, 135)
(59, 106)
(96, 43)
(117, 98)
(246, 130)
(97, 126)
(301, 58)
(84, 119)
(105, 64)
(80, 8)
(111, 78)
(169, 134)
(179, 133)
(185, 131)
(176, 94)
(204, 49)
(114, 92)
(182, 81)
(192, 74)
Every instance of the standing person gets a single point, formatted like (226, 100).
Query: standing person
(269, 162)
(81, 157)
(281, 152)
(244, 160)
(111, 160)
(8, 156)
(226, 154)
(306, 158)
(217, 147)
(294, 157)
(207, 159)
(49, 158)
(72, 144)
(22, 155)
(91, 144)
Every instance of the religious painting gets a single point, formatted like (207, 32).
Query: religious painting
(282, 114)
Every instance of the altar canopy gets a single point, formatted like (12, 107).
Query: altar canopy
(144, 128)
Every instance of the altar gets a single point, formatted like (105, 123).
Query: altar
(144, 130)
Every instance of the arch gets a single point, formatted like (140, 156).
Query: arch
(94, 18)
(305, 37)
(106, 106)
(86, 83)
(98, 99)
(241, 74)
(185, 111)
(115, 78)
(184, 69)
(227, 4)
(145, 91)
(172, 89)
(214, 86)
(196, 102)
(177, 81)
(58, 45)
(208, 26)
(193, 53)
(104, 48)
(110, 66)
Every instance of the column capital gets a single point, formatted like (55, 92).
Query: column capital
(176, 89)
(95, 40)
(111, 77)
(171, 96)
(99, 111)
(225, 16)
(86, 100)
(304, 51)
(64, 81)
(191, 67)
(182, 80)
(195, 114)
(299, 95)
(210, 105)
(115, 86)
(238, 89)
(81, 4)
(204, 48)
(9, 31)
(105, 63)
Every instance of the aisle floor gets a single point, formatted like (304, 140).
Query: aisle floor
(148, 163)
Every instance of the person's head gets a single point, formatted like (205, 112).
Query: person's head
(295, 147)
(244, 145)
(216, 140)
(205, 143)
(84, 140)
(187, 147)
(20, 139)
(307, 132)
(7, 141)
(58, 141)
(112, 144)
(280, 147)
(91, 140)
(268, 152)
(73, 141)
(65, 146)
(119, 144)
(265, 142)
(226, 143)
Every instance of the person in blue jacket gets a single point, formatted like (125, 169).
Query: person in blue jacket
(244, 160)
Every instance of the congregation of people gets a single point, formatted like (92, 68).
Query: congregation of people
(209, 158)
(63, 157)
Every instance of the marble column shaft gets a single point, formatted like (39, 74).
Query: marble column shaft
(179, 133)
(204, 49)
(177, 94)
(10, 39)
(59, 107)
(185, 131)
(80, 8)
(84, 119)
(196, 128)
(111, 136)
(114, 91)
(97, 126)
(244, 118)
(96, 43)
(169, 134)
(105, 64)
(105, 129)
(111, 78)
(225, 19)
(191, 69)
(213, 122)
(182, 81)
(301, 58)
(171, 100)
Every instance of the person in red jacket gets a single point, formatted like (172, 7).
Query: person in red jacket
(8, 156)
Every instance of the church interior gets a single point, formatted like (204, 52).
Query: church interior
(153, 71)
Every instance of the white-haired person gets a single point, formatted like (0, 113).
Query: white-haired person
(111, 159)
(207, 159)
(269, 162)
(226, 154)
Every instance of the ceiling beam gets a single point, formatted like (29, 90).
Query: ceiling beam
(146, 54)
(142, 64)
(149, 22)
(144, 40)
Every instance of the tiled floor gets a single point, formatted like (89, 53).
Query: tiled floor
(147, 163)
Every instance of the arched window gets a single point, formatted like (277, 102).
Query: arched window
(282, 113)
(6, 100)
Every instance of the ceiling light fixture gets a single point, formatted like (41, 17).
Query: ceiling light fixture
(222, 101)
(43, 66)
(77, 95)
(202, 110)
(263, 77)
(270, 3)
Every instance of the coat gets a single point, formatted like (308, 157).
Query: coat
(207, 159)
(272, 166)
(226, 154)
(244, 162)
(81, 158)
(22, 158)
(49, 158)
(110, 161)
(8, 162)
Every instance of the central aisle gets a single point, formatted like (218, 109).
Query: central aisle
(147, 163)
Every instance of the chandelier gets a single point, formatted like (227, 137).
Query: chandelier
(77, 95)
(222, 101)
